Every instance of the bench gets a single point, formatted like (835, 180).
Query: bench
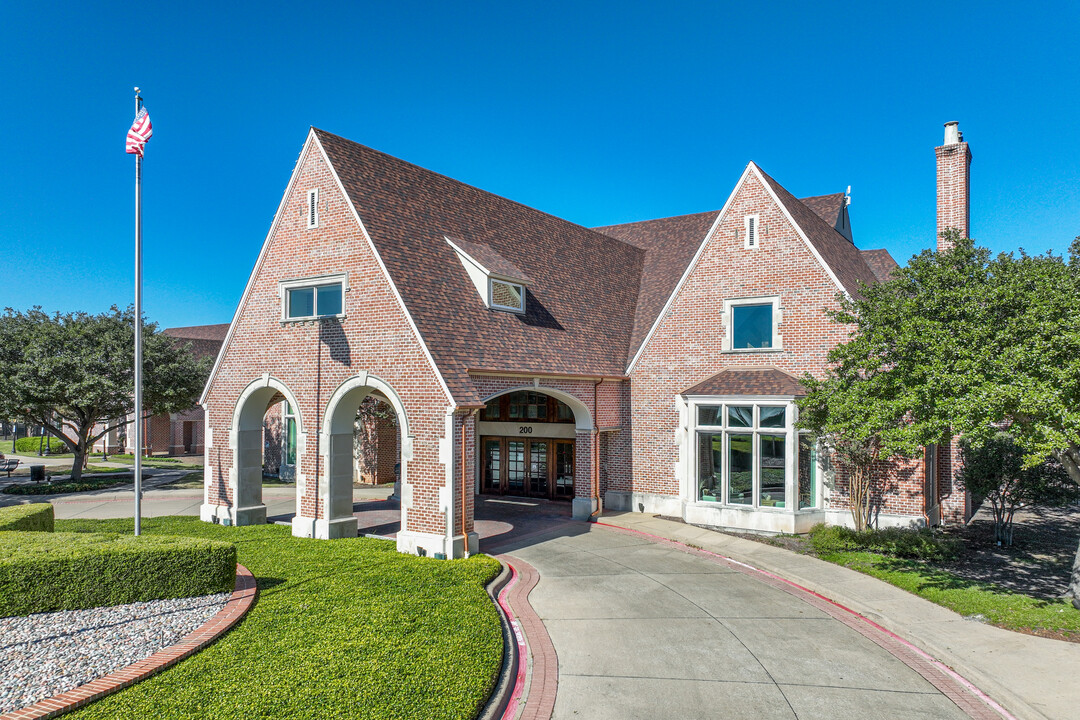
(8, 466)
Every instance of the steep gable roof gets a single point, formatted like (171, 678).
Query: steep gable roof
(880, 262)
(841, 256)
(670, 245)
(580, 305)
(826, 207)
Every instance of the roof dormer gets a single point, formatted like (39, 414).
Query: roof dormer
(500, 283)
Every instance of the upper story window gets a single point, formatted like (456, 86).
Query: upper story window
(312, 298)
(313, 208)
(751, 231)
(507, 295)
(752, 324)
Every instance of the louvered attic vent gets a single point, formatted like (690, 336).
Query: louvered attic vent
(752, 231)
(500, 284)
(313, 208)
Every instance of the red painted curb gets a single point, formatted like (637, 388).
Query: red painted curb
(970, 699)
(239, 603)
(540, 700)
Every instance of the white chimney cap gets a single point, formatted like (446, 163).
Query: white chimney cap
(952, 132)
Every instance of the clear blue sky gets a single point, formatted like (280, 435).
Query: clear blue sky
(597, 112)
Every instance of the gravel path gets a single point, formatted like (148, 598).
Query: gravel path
(46, 654)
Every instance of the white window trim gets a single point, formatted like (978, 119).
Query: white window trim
(317, 281)
(756, 219)
(312, 208)
(491, 295)
(777, 319)
(791, 450)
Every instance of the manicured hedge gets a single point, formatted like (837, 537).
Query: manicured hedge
(33, 517)
(31, 445)
(45, 572)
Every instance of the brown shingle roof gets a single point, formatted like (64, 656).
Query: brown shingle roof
(756, 381)
(492, 261)
(843, 257)
(881, 262)
(826, 207)
(669, 245)
(204, 340)
(580, 306)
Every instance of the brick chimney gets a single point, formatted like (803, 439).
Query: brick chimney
(953, 184)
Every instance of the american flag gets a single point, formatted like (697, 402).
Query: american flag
(140, 132)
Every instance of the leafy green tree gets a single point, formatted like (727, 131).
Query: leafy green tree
(958, 342)
(74, 374)
(993, 470)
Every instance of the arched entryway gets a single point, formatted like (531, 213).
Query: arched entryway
(247, 438)
(536, 442)
(337, 455)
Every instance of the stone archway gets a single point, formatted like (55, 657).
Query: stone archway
(336, 440)
(246, 443)
(584, 443)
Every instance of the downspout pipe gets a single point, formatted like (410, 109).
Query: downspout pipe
(465, 484)
(595, 456)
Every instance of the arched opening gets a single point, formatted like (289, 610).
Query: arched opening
(365, 432)
(267, 439)
(527, 444)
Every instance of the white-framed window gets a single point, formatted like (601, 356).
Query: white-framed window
(752, 324)
(313, 208)
(748, 454)
(505, 295)
(289, 441)
(311, 298)
(751, 232)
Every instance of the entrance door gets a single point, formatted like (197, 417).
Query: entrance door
(530, 468)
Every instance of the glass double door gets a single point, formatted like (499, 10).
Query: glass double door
(529, 468)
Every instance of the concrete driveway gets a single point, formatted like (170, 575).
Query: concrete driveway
(644, 630)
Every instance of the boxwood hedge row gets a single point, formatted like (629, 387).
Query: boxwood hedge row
(31, 445)
(45, 572)
(32, 517)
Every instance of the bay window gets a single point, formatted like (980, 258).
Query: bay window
(749, 454)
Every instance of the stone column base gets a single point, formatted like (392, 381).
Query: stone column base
(323, 529)
(583, 508)
(254, 515)
(435, 544)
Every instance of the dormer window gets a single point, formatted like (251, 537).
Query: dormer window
(500, 284)
(506, 295)
(752, 231)
(313, 208)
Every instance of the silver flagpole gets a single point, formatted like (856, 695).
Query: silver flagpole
(138, 332)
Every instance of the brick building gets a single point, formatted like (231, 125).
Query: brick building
(650, 366)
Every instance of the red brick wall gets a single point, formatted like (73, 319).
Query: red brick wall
(953, 189)
(312, 360)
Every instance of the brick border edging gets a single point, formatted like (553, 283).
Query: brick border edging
(542, 661)
(972, 701)
(243, 597)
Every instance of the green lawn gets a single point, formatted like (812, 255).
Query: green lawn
(341, 629)
(1000, 607)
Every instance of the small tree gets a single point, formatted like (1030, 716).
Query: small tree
(73, 374)
(994, 470)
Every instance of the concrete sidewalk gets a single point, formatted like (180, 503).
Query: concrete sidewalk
(1031, 677)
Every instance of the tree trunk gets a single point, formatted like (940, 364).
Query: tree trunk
(77, 463)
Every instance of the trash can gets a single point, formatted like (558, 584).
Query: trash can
(37, 473)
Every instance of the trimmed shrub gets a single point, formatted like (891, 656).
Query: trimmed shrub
(35, 517)
(46, 572)
(914, 543)
(31, 445)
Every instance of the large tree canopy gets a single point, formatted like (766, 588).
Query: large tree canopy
(958, 342)
(74, 373)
